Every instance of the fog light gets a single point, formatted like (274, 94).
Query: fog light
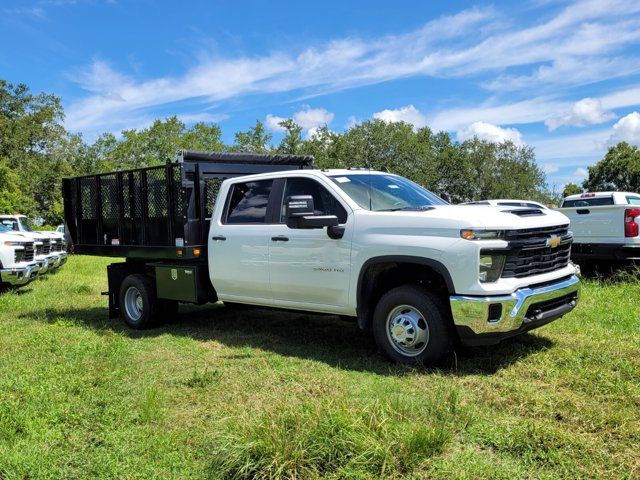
(490, 267)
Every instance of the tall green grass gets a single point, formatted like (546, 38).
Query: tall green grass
(225, 394)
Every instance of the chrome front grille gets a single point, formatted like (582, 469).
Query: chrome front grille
(26, 254)
(532, 252)
(46, 247)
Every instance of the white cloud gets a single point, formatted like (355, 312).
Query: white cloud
(408, 114)
(550, 168)
(627, 129)
(490, 132)
(580, 172)
(587, 111)
(273, 123)
(310, 119)
(470, 43)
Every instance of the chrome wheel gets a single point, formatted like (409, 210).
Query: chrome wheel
(133, 303)
(407, 330)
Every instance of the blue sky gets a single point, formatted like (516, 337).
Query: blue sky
(563, 77)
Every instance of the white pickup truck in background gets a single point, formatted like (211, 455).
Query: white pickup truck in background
(18, 265)
(605, 225)
(50, 246)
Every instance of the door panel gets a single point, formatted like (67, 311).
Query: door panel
(306, 266)
(239, 252)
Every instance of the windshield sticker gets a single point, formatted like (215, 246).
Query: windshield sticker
(342, 179)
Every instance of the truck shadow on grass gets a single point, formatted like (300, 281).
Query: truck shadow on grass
(336, 342)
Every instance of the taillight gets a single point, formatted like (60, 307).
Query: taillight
(630, 225)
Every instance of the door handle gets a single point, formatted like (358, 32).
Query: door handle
(280, 238)
(218, 237)
(583, 211)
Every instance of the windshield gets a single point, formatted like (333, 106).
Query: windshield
(9, 224)
(27, 224)
(384, 193)
(4, 228)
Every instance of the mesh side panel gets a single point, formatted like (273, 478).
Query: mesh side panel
(137, 187)
(88, 198)
(109, 192)
(157, 192)
(211, 189)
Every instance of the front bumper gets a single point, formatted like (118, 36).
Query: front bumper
(57, 260)
(488, 320)
(20, 275)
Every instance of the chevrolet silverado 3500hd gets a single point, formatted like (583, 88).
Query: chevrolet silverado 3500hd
(50, 246)
(270, 231)
(17, 259)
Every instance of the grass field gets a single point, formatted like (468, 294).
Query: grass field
(227, 394)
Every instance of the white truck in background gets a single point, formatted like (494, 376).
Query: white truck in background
(605, 225)
(50, 246)
(18, 265)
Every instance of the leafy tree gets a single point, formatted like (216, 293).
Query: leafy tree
(571, 189)
(618, 170)
(30, 129)
(292, 142)
(254, 140)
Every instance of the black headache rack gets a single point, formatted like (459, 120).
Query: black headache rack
(157, 213)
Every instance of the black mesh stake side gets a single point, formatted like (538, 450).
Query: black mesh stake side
(121, 206)
(99, 210)
(198, 185)
(144, 210)
(168, 173)
(132, 209)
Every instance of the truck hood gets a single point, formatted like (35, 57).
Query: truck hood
(28, 236)
(483, 217)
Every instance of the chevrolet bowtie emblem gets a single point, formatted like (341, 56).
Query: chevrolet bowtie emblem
(553, 241)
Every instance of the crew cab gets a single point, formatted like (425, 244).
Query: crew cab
(605, 226)
(270, 231)
(50, 246)
(17, 259)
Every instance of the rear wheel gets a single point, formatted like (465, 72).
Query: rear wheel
(412, 326)
(138, 303)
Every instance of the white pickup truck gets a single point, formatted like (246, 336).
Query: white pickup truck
(605, 226)
(17, 259)
(422, 274)
(50, 246)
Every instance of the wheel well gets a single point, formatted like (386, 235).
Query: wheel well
(378, 278)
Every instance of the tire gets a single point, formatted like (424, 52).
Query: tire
(424, 334)
(139, 306)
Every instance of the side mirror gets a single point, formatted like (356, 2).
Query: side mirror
(297, 206)
(299, 212)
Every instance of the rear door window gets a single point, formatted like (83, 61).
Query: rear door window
(588, 202)
(248, 202)
(633, 200)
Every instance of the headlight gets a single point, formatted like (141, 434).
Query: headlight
(482, 234)
(15, 244)
(490, 267)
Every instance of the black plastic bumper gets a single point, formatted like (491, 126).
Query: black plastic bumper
(604, 251)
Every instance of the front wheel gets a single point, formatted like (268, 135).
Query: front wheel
(412, 326)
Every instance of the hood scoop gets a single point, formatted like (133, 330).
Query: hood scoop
(525, 212)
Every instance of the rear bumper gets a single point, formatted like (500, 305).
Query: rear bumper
(604, 251)
(19, 275)
(488, 320)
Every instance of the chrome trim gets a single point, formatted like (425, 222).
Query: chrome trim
(18, 276)
(473, 312)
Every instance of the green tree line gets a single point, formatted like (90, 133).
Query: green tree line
(36, 152)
